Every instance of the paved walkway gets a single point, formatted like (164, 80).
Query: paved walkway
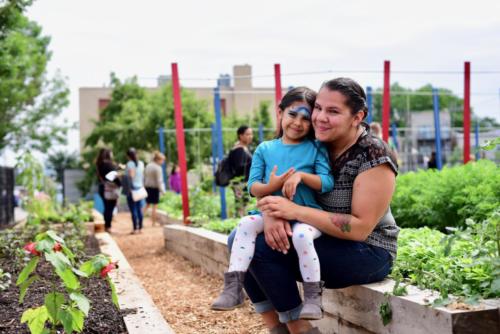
(181, 291)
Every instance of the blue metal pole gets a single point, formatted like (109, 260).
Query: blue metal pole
(437, 128)
(261, 133)
(477, 138)
(394, 131)
(369, 97)
(220, 149)
(214, 155)
(161, 138)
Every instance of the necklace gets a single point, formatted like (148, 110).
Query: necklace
(349, 144)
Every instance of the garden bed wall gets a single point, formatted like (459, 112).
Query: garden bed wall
(354, 309)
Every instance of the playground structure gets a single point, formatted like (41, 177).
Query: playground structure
(401, 137)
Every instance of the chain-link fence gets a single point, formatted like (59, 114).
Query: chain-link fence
(6, 196)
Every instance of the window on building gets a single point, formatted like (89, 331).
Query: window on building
(103, 103)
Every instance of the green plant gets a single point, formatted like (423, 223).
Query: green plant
(439, 199)
(58, 310)
(4, 280)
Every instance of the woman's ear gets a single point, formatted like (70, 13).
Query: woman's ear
(358, 118)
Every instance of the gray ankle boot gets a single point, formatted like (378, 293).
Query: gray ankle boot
(232, 295)
(312, 307)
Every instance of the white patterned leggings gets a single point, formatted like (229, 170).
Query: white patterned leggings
(303, 236)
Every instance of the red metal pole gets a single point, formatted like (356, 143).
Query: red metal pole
(386, 103)
(181, 147)
(277, 92)
(466, 112)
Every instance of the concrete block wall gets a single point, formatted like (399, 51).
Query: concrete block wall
(354, 309)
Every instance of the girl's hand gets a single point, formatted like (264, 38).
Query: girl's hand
(290, 185)
(276, 181)
(276, 232)
(278, 207)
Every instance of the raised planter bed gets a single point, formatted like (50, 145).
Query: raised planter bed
(354, 309)
(165, 219)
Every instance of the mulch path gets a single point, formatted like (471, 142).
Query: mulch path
(181, 290)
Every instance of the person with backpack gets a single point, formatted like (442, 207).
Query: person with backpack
(292, 165)
(109, 184)
(239, 161)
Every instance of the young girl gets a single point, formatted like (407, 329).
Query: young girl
(296, 166)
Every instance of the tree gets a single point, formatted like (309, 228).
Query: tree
(61, 160)
(29, 100)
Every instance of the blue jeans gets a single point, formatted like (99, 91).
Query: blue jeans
(272, 282)
(136, 211)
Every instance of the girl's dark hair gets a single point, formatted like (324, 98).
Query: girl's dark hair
(298, 94)
(104, 155)
(354, 93)
(132, 154)
(241, 130)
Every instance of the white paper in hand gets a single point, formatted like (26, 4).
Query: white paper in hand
(111, 176)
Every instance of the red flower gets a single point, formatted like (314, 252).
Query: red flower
(30, 248)
(57, 247)
(105, 270)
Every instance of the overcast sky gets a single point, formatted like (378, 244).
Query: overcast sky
(92, 38)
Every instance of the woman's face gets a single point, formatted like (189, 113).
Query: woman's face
(331, 117)
(247, 137)
(295, 122)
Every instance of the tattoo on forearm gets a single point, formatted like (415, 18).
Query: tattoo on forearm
(342, 221)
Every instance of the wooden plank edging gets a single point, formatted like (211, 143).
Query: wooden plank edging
(354, 309)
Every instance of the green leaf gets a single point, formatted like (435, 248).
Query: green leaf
(88, 268)
(82, 302)
(58, 260)
(385, 312)
(45, 245)
(78, 318)
(495, 286)
(67, 320)
(36, 318)
(69, 279)
(53, 302)
(79, 273)
(27, 270)
(55, 237)
(68, 252)
(24, 287)
(114, 296)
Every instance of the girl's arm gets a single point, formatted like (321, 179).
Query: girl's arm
(275, 183)
(372, 193)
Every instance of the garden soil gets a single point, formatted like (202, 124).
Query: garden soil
(181, 290)
(104, 317)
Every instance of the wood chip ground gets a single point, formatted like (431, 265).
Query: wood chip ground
(181, 290)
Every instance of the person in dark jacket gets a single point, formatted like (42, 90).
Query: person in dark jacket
(104, 168)
(240, 159)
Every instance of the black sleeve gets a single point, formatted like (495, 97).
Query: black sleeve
(105, 168)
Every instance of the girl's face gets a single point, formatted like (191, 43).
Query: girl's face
(295, 122)
(331, 117)
(247, 137)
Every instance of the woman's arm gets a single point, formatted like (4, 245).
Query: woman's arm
(371, 196)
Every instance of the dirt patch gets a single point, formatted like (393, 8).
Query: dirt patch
(182, 291)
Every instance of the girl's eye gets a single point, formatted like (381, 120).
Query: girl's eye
(292, 114)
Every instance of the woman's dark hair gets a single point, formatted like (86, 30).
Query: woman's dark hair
(354, 93)
(241, 130)
(104, 155)
(298, 94)
(174, 167)
(132, 154)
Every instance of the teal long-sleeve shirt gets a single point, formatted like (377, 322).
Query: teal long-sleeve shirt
(308, 156)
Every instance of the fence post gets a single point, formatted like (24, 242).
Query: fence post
(214, 155)
(369, 97)
(220, 149)
(466, 112)
(437, 129)
(386, 103)
(161, 139)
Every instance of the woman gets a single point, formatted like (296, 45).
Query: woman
(240, 159)
(153, 181)
(135, 174)
(105, 165)
(359, 234)
(175, 179)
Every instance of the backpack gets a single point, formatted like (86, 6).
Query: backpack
(224, 172)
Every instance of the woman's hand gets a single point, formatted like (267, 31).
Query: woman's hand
(276, 232)
(278, 207)
(290, 185)
(276, 181)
